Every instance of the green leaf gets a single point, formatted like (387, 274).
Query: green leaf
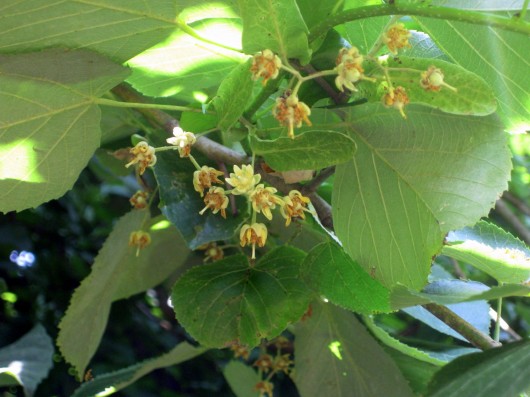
(49, 124)
(181, 204)
(314, 12)
(363, 33)
(118, 29)
(274, 25)
(399, 346)
(336, 356)
(335, 276)
(117, 273)
(27, 361)
(195, 10)
(447, 292)
(499, 372)
(474, 95)
(233, 95)
(241, 378)
(492, 250)
(232, 300)
(394, 202)
(108, 384)
(174, 66)
(310, 150)
(498, 56)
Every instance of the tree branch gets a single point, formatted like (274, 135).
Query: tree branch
(473, 335)
(504, 211)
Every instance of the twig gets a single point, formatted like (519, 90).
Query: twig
(503, 210)
(313, 185)
(516, 202)
(468, 331)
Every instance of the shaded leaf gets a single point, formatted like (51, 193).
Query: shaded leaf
(181, 204)
(335, 276)
(27, 361)
(186, 67)
(394, 202)
(231, 300)
(500, 57)
(117, 273)
(310, 150)
(242, 378)
(500, 372)
(49, 124)
(492, 250)
(336, 356)
(233, 95)
(274, 25)
(107, 384)
(118, 29)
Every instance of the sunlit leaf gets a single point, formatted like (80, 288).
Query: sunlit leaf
(394, 202)
(118, 29)
(492, 250)
(110, 383)
(27, 361)
(336, 277)
(310, 150)
(49, 124)
(117, 273)
(274, 25)
(336, 356)
(233, 300)
(500, 372)
(186, 67)
(500, 57)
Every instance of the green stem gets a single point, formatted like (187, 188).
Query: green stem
(522, 14)
(193, 33)
(451, 14)
(497, 331)
(194, 162)
(118, 104)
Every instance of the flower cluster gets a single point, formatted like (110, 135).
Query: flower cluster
(205, 177)
(143, 155)
(349, 68)
(265, 64)
(397, 98)
(396, 37)
(183, 140)
(291, 112)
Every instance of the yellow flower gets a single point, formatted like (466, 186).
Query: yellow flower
(290, 112)
(143, 155)
(294, 206)
(252, 235)
(140, 240)
(205, 177)
(264, 388)
(216, 200)
(349, 68)
(264, 363)
(397, 99)
(139, 199)
(243, 179)
(240, 351)
(282, 363)
(265, 64)
(263, 199)
(396, 37)
(433, 79)
(184, 140)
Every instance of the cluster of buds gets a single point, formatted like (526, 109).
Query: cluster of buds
(397, 98)
(396, 37)
(183, 140)
(291, 112)
(143, 155)
(349, 68)
(265, 64)
(139, 200)
(433, 79)
(140, 240)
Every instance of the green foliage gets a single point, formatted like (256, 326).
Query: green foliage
(410, 180)
(27, 361)
(250, 301)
